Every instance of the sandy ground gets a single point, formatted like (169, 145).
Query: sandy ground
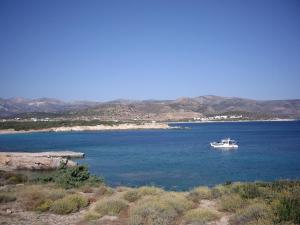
(125, 126)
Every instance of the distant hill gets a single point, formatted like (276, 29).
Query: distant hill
(16, 106)
(179, 109)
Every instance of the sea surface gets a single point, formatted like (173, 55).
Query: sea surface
(178, 159)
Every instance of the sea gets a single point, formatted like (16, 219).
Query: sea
(179, 158)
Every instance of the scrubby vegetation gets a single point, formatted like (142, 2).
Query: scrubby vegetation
(11, 178)
(68, 204)
(200, 193)
(231, 203)
(162, 209)
(38, 125)
(254, 213)
(200, 216)
(110, 207)
(7, 197)
(135, 194)
(263, 203)
(69, 190)
(73, 177)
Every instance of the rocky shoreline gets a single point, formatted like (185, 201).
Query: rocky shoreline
(37, 161)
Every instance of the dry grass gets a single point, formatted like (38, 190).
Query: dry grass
(33, 196)
(111, 207)
(7, 197)
(135, 194)
(91, 215)
(200, 193)
(200, 216)
(231, 203)
(219, 190)
(255, 213)
(131, 195)
(68, 204)
(143, 191)
(159, 209)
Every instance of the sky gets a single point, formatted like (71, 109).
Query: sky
(108, 49)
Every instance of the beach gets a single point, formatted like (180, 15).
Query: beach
(125, 126)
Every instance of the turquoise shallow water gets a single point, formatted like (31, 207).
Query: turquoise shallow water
(178, 159)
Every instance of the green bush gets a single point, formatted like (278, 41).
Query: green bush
(287, 208)
(31, 125)
(249, 190)
(200, 216)
(285, 185)
(7, 197)
(68, 204)
(110, 207)
(73, 177)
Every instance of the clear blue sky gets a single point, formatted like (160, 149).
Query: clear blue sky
(103, 50)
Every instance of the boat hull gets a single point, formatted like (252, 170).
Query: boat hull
(225, 146)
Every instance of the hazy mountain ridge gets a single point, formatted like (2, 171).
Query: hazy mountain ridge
(177, 109)
(15, 106)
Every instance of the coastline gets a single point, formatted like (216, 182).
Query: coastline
(125, 126)
(128, 126)
(233, 121)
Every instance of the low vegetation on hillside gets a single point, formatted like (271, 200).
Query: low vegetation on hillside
(72, 191)
(38, 125)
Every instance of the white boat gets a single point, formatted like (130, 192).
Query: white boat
(225, 143)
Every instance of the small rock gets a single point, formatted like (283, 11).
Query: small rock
(8, 211)
(110, 218)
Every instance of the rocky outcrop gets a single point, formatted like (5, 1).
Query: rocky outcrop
(37, 161)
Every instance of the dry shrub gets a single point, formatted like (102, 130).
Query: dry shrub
(200, 193)
(68, 204)
(135, 194)
(7, 197)
(200, 216)
(111, 207)
(159, 209)
(45, 206)
(219, 190)
(252, 214)
(91, 216)
(32, 196)
(231, 203)
(87, 189)
(103, 190)
(143, 191)
(131, 196)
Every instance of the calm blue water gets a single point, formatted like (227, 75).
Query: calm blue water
(179, 158)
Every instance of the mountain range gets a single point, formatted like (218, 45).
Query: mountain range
(178, 109)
